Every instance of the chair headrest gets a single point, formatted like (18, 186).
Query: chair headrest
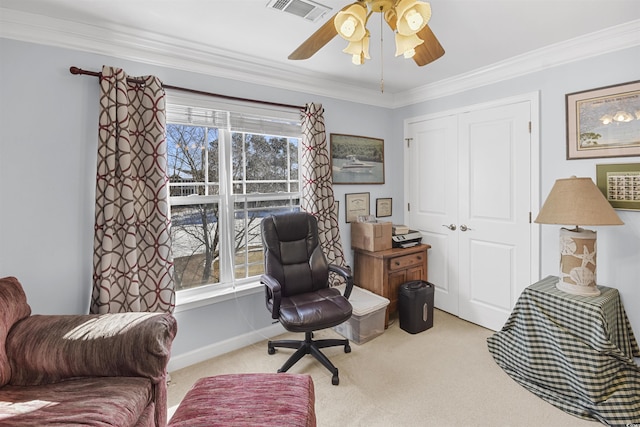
(294, 226)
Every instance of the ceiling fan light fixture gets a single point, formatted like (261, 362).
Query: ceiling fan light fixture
(412, 16)
(405, 45)
(408, 54)
(350, 23)
(348, 27)
(405, 17)
(359, 50)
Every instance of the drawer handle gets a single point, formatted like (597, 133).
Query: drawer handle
(419, 258)
(397, 263)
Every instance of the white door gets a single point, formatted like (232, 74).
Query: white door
(494, 192)
(433, 201)
(469, 191)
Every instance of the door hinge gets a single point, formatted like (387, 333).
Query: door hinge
(529, 127)
(529, 217)
(408, 141)
(408, 207)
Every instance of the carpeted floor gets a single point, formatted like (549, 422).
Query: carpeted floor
(441, 377)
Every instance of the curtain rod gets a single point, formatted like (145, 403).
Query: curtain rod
(78, 71)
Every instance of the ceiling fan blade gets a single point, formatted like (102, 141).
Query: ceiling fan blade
(428, 51)
(317, 40)
(320, 38)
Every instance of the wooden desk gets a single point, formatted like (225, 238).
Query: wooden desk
(383, 272)
(575, 352)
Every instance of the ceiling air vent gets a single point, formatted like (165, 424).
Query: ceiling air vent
(306, 9)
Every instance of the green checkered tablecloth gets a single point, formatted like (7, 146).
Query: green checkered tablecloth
(575, 352)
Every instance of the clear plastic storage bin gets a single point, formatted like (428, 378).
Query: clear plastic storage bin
(367, 319)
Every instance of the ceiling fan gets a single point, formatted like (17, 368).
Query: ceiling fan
(406, 18)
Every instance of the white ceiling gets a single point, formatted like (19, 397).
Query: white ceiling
(475, 34)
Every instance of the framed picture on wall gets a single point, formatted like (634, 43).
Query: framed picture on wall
(383, 207)
(356, 204)
(357, 159)
(604, 122)
(620, 184)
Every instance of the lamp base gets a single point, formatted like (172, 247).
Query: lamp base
(590, 291)
(578, 262)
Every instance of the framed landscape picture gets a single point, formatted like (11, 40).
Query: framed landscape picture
(357, 159)
(604, 122)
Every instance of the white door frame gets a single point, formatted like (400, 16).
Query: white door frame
(534, 100)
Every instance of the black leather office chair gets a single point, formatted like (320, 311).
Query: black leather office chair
(297, 287)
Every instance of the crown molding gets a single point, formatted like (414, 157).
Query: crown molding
(156, 49)
(609, 40)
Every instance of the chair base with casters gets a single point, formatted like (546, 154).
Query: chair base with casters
(309, 346)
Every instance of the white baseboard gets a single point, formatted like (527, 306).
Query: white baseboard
(213, 350)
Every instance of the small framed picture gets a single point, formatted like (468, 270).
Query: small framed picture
(620, 184)
(383, 207)
(356, 204)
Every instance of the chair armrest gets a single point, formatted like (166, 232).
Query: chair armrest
(46, 349)
(273, 294)
(345, 272)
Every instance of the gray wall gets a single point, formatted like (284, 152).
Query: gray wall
(48, 139)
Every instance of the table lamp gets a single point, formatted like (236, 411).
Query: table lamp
(577, 201)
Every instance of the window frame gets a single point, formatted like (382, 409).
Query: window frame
(228, 287)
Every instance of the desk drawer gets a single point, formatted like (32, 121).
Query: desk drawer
(406, 261)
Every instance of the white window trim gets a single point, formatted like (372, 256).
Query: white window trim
(189, 299)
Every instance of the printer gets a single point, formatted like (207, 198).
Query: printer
(406, 240)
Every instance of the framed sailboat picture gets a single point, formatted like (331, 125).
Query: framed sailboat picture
(357, 159)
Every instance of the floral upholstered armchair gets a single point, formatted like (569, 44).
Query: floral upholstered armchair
(90, 370)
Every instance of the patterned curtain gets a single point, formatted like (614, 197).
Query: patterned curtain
(317, 183)
(132, 261)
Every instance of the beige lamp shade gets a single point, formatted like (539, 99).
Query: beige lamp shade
(577, 201)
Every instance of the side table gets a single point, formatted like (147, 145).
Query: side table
(383, 272)
(576, 352)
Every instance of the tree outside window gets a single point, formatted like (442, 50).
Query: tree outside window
(219, 199)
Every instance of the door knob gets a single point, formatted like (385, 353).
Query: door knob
(464, 228)
(451, 227)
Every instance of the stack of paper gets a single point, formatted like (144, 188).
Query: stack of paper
(400, 229)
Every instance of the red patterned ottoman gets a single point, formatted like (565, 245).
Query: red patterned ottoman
(242, 400)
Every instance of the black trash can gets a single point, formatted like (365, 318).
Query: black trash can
(415, 301)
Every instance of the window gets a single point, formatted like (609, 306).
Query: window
(229, 166)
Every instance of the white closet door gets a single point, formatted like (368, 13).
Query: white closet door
(468, 182)
(433, 199)
(494, 192)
